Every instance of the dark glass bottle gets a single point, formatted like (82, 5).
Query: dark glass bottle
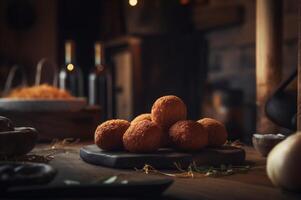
(100, 83)
(70, 76)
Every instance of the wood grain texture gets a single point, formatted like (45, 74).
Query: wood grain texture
(58, 124)
(268, 57)
(299, 69)
(252, 185)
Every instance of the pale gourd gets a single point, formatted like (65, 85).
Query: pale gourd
(284, 163)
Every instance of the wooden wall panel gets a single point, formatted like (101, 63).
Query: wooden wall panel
(29, 46)
(268, 57)
(299, 70)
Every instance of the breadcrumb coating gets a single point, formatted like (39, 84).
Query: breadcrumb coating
(108, 135)
(188, 135)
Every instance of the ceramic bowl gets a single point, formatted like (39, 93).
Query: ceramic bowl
(264, 143)
(18, 142)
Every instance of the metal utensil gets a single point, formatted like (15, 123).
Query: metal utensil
(281, 107)
(40, 67)
(10, 78)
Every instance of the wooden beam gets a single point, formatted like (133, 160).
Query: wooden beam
(268, 57)
(299, 69)
(211, 17)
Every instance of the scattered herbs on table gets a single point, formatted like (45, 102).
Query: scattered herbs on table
(194, 171)
(235, 143)
(44, 155)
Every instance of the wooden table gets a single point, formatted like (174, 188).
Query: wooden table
(253, 185)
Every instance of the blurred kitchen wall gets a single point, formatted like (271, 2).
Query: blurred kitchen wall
(231, 56)
(28, 31)
(226, 29)
(232, 50)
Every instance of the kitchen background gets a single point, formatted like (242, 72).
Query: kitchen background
(200, 50)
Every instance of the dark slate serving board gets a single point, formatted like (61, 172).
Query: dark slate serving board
(162, 159)
(142, 188)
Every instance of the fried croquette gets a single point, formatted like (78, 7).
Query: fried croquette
(108, 135)
(217, 133)
(188, 135)
(144, 116)
(166, 111)
(142, 137)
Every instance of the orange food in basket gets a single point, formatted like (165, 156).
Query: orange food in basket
(43, 91)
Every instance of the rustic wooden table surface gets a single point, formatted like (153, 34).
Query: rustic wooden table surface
(252, 185)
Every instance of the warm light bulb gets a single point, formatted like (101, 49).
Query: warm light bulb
(133, 2)
(70, 67)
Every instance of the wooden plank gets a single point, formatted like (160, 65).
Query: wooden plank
(210, 17)
(252, 185)
(59, 124)
(133, 45)
(136, 51)
(268, 57)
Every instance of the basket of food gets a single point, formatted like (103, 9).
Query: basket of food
(54, 112)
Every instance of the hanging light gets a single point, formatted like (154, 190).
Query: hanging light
(133, 2)
(70, 67)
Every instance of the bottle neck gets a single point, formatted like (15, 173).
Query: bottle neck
(69, 52)
(98, 54)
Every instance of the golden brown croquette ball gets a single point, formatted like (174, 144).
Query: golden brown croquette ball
(108, 135)
(188, 135)
(166, 111)
(141, 117)
(217, 133)
(142, 137)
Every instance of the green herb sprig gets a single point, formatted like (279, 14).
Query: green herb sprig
(193, 170)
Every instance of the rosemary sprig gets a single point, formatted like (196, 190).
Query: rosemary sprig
(193, 170)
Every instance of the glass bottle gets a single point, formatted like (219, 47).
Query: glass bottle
(100, 83)
(70, 76)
